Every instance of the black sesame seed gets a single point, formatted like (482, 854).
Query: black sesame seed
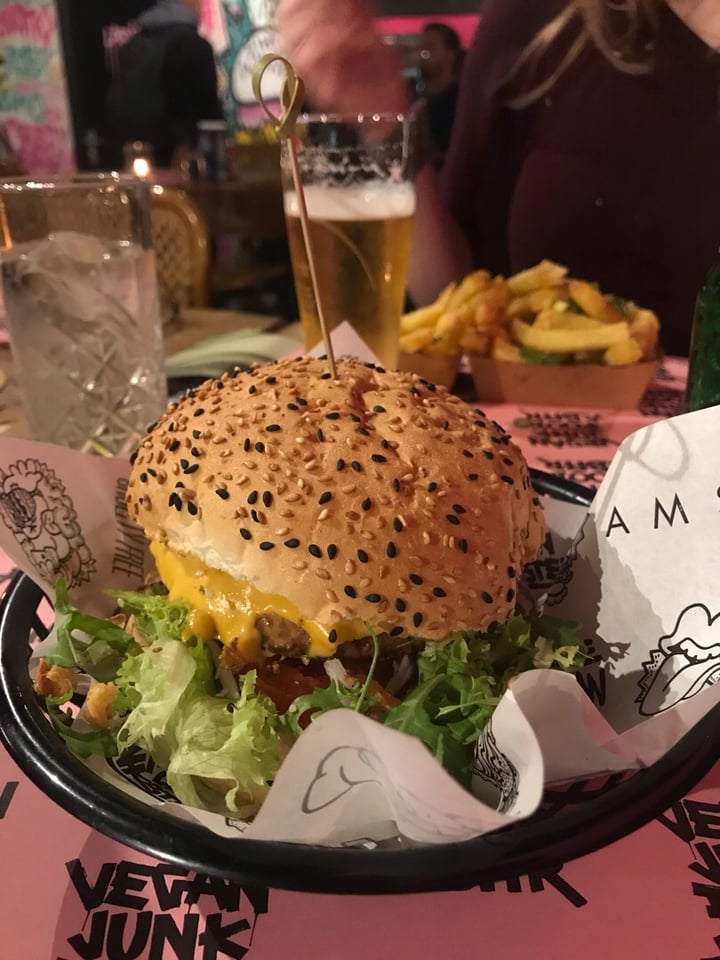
(143, 478)
(332, 551)
(473, 476)
(273, 428)
(133, 457)
(350, 591)
(230, 708)
(223, 494)
(510, 595)
(417, 619)
(362, 556)
(396, 631)
(468, 453)
(184, 463)
(252, 497)
(439, 592)
(366, 504)
(175, 501)
(396, 485)
(506, 479)
(320, 436)
(332, 636)
(356, 466)
(266, 545)
(260, 446)
(293, 406)
(292, 543)
(252, 388)
(535, 501)
(487, 597)
(326, 376)
(199, 412)
(458, 508)
(463, 546)
(153, 473)
(254, 516)
(332, 416)
(446, 425)
(355, 418)
(246, 444)
(415, 578)
(431, 387)
(363, 431)
(192, 468)
(195, 452)
(372, 597)
(488, 454)
(391, 550)
(219, 385)
(324, 497)
(385, 444)
(511, 572)
(314, 550)
(192, 508)
(171, 427)
(245, 534)
(271, 380)
(507, 461)
(431, 486)
(173, 446)
(267, 498)
(379, 458)
(378, 409)
(196, 434)
(400, 605)
(340, 465)
(301, 401)
(179, 484)
(397, 525)
(451, 518)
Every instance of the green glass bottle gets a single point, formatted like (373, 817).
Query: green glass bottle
(703, 386)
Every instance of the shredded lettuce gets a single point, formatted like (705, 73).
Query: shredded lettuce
(158, 618)
(95, 646)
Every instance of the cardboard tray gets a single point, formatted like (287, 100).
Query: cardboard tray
(576, 385)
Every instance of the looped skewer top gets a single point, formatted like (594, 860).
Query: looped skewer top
(291, 100)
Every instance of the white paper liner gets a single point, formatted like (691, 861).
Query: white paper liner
(640, 576)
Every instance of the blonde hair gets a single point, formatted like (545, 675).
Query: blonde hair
(619, 29)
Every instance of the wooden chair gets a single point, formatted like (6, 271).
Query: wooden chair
(182, 251)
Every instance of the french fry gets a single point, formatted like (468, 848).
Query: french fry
(505, 351)
(416, 340)
(532, 303)
(424, 317)
(645, 330)
(589, 299)
(568, 341)
(468, 289)
(552, 320)
(473, 341)
(624, 353)
(545, 274)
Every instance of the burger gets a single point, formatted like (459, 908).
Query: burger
(319, 542)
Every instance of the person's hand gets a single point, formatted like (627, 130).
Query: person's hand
(334, 48)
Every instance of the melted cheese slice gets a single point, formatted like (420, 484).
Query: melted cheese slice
(228, 608)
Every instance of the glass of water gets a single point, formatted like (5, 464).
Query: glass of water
(80, 293)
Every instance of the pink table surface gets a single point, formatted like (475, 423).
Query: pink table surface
(68, 892)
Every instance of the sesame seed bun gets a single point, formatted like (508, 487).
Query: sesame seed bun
(376, 495)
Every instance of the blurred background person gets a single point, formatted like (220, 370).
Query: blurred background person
(165, 84)
(586, 132)
(441, 57)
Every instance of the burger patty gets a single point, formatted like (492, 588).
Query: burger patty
(281, 637)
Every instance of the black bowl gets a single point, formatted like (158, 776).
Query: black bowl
(570, 823)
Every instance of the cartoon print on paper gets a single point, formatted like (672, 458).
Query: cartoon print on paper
(553, 573)
(37, 510)
(337, 773)
(492, 766)
(683, 663)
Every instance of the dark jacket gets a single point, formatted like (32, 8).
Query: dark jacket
(166, 83)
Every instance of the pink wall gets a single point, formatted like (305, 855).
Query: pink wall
(464, 24)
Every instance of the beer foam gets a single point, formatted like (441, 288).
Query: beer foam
(373, 201)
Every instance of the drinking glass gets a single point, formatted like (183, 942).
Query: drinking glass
(357, 174)
(80, 292)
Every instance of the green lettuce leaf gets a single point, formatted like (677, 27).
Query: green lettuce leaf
(158, 618)
(95, 646)
(83, 742)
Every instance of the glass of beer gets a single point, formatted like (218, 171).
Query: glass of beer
(358, 179)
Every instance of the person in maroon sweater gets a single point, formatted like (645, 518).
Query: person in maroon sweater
(583, 135)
